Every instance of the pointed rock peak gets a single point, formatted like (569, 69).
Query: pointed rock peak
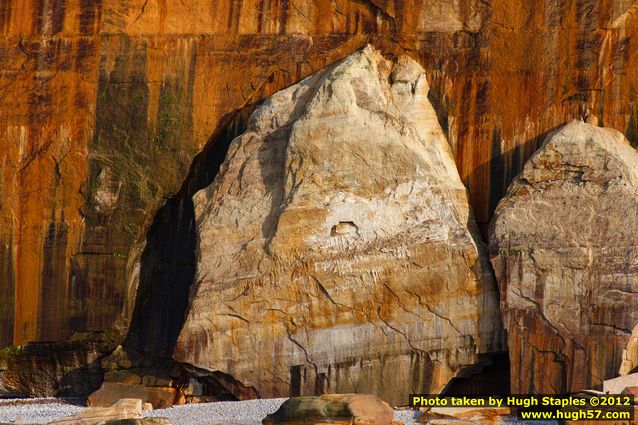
(586, 151)
(403, 70)
(338, 232)
(406, 70)
(563, 243)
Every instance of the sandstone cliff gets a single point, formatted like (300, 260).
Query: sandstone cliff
(563, 245)
(106, 104)
(336, 247)
(630, 355)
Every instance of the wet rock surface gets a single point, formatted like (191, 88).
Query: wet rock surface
(337, 249)
(563, 244)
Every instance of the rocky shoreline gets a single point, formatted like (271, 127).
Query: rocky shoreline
(251, 412)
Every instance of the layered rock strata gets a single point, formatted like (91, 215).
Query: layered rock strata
(106, 103)
(336, 247)
(62, 369)
(125, 408)
(563, 244)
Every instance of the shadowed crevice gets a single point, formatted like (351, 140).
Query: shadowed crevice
(503, 167)
(168, 263)
(489, 376)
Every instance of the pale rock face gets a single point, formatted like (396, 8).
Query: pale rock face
(106, 195)
(630, 355)
(337, 250)
(126, 408)
(335, 409)
(564, 245)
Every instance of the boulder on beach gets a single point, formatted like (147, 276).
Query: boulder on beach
(126, 408)
(110, 392)
(142, 421)
(464, 416)
(336, 409)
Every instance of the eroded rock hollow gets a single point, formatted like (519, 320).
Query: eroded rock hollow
(336, 247)
(563, 245)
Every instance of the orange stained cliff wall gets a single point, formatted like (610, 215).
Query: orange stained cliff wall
(104, 105)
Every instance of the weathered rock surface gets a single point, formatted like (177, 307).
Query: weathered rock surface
(62, 369)
(142, 421)
(617, 385)
(631, 390)
(465, 415)
(110, 392)
(337, 250)
(163, 382)
(128, 374)
(126, 408)
(106, 103)
(630, 355)
(564, 245)
(337, 409)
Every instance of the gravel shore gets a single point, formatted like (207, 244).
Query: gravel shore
(36, 411)
(42, 411)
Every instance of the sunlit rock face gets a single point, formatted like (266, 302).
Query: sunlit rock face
(630, 355)
(336, 247)
(106, 104)
(564, 248)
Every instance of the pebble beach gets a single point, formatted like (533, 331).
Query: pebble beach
(43, 411)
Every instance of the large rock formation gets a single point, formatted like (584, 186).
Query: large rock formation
(106, 103)
(61, 369)
(564, 245)
(337, 250)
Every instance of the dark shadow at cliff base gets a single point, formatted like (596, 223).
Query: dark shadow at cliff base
(7, 292)
(54, 369)
(168, 262)
(489, 376)
(440, 105)
(631, 130)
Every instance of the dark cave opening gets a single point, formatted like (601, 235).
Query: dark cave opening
(168, 263)
(489, 376)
